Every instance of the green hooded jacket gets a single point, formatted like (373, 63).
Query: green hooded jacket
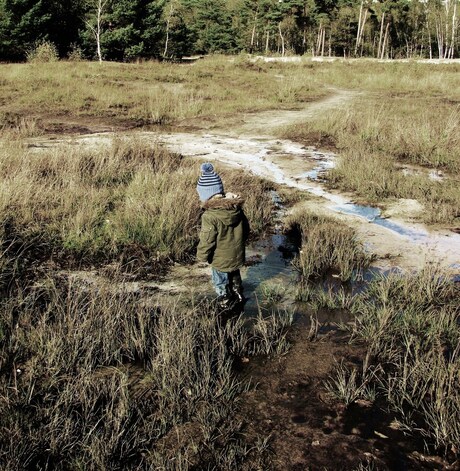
(224, 231)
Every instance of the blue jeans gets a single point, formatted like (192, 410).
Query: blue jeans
(224, 283)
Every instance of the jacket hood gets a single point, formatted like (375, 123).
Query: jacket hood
(227, 208)
(229, 201)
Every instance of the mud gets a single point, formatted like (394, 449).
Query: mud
(307, 428)
(247, 143)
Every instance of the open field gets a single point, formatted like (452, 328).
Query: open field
(113, 355)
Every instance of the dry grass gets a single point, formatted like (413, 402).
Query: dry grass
(107, 204)
(411, 119)
(152, 92)
(326, 247)
(386, 151)
(97, 379)
(410, 324)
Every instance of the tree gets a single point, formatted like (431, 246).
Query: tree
(213, 27)
(176, 42)
(23, 23)
(123, 29)
(95, 23)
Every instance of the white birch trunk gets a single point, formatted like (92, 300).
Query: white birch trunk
(97, 29)
(381, 34)
(282, 38)
(385, 39)
(454, 30)
(358, 33)
(323, 41)
(168, 23)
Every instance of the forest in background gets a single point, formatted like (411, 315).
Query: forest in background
(126, 30)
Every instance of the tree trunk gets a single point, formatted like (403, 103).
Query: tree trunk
(358, 33)
(253, 34)
(440, 40)
(267, 41)
(454, 30)
(381, 35)
(168, 22)
(385, 39)
(429, 40)
(319, 38)
(361, 23)
(97, 29)
(282, 39)
(323, 40)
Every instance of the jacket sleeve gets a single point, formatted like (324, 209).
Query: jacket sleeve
(207, 243)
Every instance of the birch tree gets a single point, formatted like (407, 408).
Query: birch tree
(95, 24)
(363, 14)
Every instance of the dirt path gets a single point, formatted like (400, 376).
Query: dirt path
(307, 429)
(248, 142)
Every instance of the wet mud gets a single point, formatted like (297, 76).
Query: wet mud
(305, 426)
(308, 429)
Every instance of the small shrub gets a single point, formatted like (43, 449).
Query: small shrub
(75, 54)
(43, 52)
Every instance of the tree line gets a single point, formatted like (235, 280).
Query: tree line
(125, 30)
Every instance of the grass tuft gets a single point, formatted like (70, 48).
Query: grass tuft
(326, 247)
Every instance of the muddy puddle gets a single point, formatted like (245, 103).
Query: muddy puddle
(270, 280)
(295, 166)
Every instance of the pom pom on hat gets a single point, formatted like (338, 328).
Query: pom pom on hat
(209, 183)
(207, 167)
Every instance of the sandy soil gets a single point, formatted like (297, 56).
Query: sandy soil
(248, 142)
(307, 429)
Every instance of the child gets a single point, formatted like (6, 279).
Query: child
(224, 231)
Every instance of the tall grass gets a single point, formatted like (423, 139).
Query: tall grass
(100, 379)
(86, 201)
(326, 247)
(129, 199)
(375, 139)
(410, 324)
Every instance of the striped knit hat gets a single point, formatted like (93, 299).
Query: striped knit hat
(209, 183)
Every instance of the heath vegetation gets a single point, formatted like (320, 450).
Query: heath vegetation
(326, 247)
(107, 204)
(402, 143)
(99, 378)
(410, 326)
(94, 378)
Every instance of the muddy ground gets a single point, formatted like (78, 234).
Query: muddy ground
(307, 428)
(310, 430)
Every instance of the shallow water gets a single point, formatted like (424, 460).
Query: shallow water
(269, 262)
(277, 160)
